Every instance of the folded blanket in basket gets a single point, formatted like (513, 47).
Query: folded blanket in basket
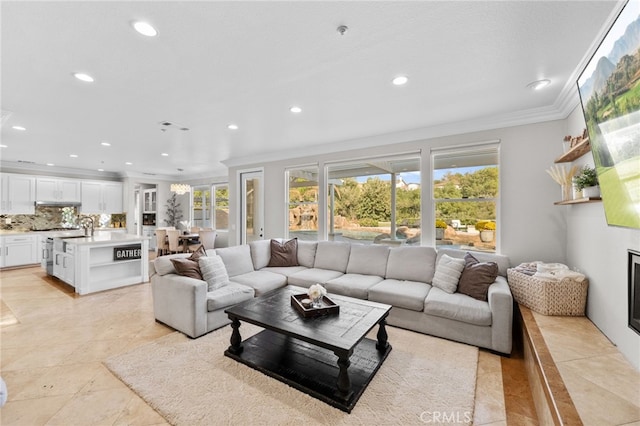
(557, 272)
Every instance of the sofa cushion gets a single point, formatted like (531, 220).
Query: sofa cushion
(307, 253)
(400, 293)
(261, 281)
(448, 273)
(237, 259)
(411, 264)
(459, 307)
(284, 253)
(284, 270)
(213, 272)
(260, 253)
(163, 264)
(477, 277)
(353, 285)
(368, 259)
(311, 276)
(228, 295)
(332, 255)
(501, 260)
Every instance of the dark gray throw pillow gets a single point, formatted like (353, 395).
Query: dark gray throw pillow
(477, 277)
(284, 254)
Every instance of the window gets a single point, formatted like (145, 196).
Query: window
(465, 197)
(221, 206)
(375, 200)
(302, 202)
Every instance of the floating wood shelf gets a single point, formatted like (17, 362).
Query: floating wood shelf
(577, 151)
(579, 201)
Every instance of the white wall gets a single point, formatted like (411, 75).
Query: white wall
(600, 252)
(531, 227)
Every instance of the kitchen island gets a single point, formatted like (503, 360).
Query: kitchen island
(101, 262)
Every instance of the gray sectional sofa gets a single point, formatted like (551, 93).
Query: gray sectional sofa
(398, 276)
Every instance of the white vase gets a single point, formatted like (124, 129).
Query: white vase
(591, 191)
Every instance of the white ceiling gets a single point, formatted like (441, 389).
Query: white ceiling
(215, 63)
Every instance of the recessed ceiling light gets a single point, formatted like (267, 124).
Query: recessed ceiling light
(128, 163)
(295, 109)
(3, 146)
(400, 80)
(50, 164)
(22, 129)
(145, 28)
(539, 84)
(232, 126)
(83, 77)
(105, 144)
(73, 155)
(164, 154)
(101, 170)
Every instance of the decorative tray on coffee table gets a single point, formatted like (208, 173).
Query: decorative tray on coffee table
(328, 306)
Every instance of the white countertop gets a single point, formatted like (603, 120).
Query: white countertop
(61, 232)
(105, 238)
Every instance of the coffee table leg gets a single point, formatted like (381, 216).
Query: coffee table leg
(382, 336)
(236, 339)
(344, 382)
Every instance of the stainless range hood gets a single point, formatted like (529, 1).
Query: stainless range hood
(45, 203)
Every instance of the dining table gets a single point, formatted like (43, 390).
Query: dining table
(185, 239)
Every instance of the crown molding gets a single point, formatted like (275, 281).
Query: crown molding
(560, 110)
(42, 170)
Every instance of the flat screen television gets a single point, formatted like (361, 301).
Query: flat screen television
(609, 90)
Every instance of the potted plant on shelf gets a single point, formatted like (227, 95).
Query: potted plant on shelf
(487, 230)
(587, 181)
(441, 225)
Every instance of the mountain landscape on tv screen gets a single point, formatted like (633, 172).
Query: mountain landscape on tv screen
(611, 105)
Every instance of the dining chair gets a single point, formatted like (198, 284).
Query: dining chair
(207, 239)
(174, 241)
(161, 242)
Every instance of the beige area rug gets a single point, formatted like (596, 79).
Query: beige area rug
(424, 380)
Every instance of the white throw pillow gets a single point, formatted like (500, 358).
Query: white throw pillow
(214, 272)
(448, 273)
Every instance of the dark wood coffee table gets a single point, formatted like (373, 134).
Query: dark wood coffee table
(327, 357)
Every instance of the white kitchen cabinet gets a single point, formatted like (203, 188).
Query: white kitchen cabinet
(64, 265)
(18, 194)
(149, 201)
(150, 232)
(101, 197)
(53, 189)
(18, 250)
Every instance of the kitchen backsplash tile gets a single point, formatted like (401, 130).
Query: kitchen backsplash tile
(47, 217)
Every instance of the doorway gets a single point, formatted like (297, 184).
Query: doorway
(251, 206)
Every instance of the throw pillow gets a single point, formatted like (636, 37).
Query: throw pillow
(214, 272)
(284, 254)
(447, 273)
(477, 277)
(198, 253)
(187, 267)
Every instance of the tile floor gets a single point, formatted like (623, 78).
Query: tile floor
(52, 343)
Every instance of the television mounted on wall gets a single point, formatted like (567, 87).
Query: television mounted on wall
(609, 89)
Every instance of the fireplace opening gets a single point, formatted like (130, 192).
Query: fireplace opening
(634, 291)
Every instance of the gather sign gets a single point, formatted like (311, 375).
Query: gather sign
(127, 252)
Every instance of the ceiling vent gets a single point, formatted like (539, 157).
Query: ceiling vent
(166, 125)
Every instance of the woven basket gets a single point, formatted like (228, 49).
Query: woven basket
(566, 297)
